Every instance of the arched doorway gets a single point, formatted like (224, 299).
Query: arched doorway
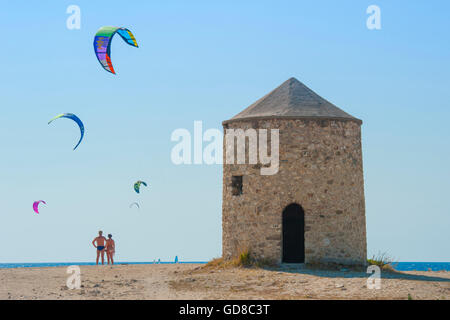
(293, 234)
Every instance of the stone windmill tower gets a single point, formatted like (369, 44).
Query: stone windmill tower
(312, 210)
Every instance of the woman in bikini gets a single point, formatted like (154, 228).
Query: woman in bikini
(110, 249)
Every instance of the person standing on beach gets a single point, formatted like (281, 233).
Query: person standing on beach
(100, 246)
(110, 249)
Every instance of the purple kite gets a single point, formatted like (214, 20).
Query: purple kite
(36, 204)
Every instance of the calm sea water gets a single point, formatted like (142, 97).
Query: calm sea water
(400, 266)
(62, 264)
(421, 266)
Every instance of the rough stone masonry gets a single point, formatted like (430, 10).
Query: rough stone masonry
(320, 169)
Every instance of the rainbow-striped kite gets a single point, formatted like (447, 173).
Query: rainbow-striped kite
(102, 44)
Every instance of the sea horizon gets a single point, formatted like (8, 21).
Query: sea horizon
(85, 263)
(399, 266)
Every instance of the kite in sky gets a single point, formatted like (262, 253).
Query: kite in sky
(137, 185)
(74, 118)
(102, 44)
(36, 205)
(136, 204)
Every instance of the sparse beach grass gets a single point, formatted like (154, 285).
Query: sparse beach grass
(243, 259)
(382, 260)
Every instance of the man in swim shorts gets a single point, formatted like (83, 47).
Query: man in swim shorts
(100, 246)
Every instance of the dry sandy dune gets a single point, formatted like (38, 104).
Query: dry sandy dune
(190, 281)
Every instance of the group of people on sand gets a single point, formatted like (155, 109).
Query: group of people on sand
(104, 245)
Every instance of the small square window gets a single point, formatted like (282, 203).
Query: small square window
(236, 185)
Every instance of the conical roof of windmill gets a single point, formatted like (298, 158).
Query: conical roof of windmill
(292, 99)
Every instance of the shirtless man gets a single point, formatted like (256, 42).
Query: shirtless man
(100, 246)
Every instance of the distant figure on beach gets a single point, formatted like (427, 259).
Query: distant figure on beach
(99, 243)
(110, 249)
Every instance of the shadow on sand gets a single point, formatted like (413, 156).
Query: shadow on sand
(388, 274)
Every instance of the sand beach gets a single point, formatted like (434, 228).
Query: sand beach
(195, 281)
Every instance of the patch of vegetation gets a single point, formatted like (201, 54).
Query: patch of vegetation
(216, 262)
(382, 260)
(244, 259)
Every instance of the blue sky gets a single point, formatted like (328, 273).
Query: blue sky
(204, 60)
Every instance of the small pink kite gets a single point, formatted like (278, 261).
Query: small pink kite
(36, 204)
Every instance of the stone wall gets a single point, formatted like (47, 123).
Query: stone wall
(320, 169)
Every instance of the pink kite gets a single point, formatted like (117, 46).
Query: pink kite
(36, 204)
